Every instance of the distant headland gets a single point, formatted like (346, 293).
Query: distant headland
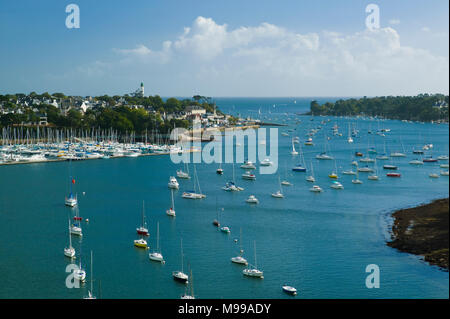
(423, 107)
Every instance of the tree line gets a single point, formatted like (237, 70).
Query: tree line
(116, 115)
(413, 108)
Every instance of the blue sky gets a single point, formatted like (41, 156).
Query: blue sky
(225, 48)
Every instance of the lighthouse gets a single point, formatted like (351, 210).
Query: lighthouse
(142, 89)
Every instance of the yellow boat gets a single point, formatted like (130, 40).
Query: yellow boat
(141, 243)
(333, 175)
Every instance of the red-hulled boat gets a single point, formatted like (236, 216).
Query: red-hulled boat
(393, 174)
(429, 160)
(77, 218)
(358, 154)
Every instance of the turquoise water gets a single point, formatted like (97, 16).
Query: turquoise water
(319, 243)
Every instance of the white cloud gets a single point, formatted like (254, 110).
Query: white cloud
(271, 60)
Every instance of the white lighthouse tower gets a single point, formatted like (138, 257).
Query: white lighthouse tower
(142, 89)
(139, 92)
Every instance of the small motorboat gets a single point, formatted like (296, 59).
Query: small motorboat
(140, 243)
(433, 175)
(248, 165)
(393, 167)
(356, 181)
(373, 177)
(416, 162)
(333, 175)
(252, 200)
(266, 162)
(173, 183)
(286, 183)
(315, 189)
(349, 172)
(219, 171)
(310, 179)
(359, 154)
(289, 290)
(393, 174)
(444, 173)
(249, 176)
(225, 229)
(337, 185)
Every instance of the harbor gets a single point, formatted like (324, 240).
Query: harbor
(222, 229)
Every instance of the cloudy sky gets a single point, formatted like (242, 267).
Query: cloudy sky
(225, 48)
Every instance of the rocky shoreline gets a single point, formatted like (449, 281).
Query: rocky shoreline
(423, 230)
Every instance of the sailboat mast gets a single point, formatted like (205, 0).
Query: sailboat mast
(254, 244)
(92, 273)
(181, 244)
(157, 237)
(70, 237)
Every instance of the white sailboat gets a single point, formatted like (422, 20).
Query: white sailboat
(143, 230)
(190, 286)
(179, 275)
(156, 255)
(91, 292)
(231, 186)
(184, 174)
(279, 193)
(293, 152)
(171, 210)
(69, 251)
(196, 193)
(349, 139)
(75, 229)
(357, 180)
(374, 175)
(311, 178)
(239, 259)
(253, 271)
(80, 274)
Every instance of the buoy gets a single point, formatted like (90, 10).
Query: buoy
(87, 220)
